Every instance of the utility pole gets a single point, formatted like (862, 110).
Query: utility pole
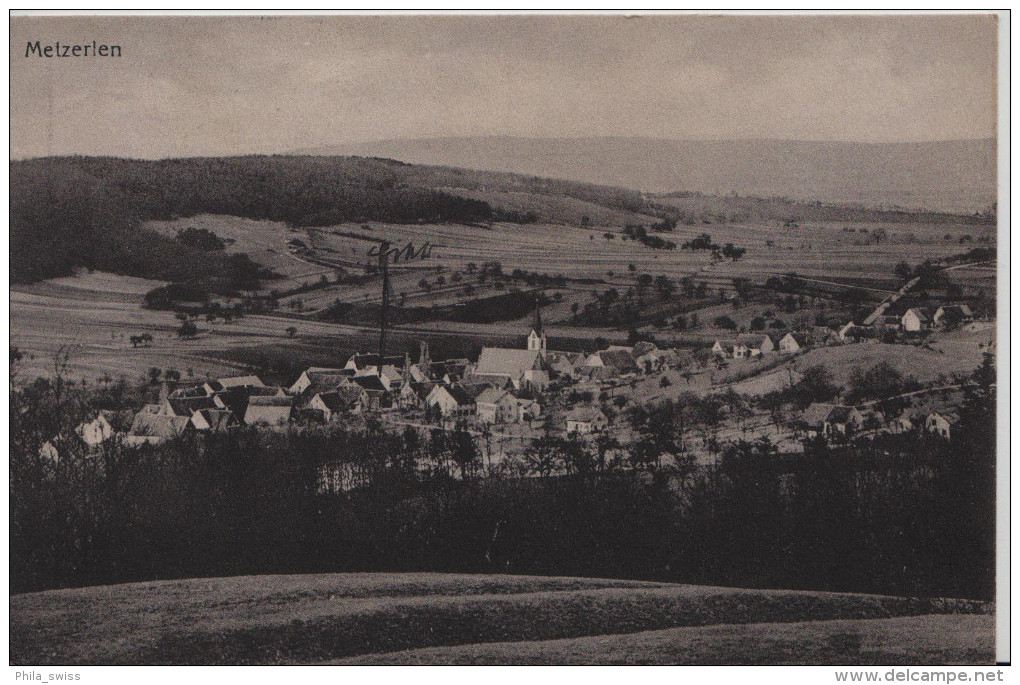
(385, 251)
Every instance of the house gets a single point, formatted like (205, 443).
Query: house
(240, 381)
(268, 410)
(823, 335)
(842, 421)
(585, 420)
(901, 424)
(916, 319)
(619, 361)
(451, 400)
(214, 420)
(941, 423)
(319, 379)
(376, 396)
(339, 401)
(792, 342)
(368, 364)
(564, 363)
(148, 428)
(724, 349)
(97, 431)
(522, 367)
(186, 406)
(952, 315)
(413, 394)
(528, 409)
(812, 421)
(497, 406)
(756, 344)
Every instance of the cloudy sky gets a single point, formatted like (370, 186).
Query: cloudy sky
(235, 85)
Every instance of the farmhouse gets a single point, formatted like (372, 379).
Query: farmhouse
(941, 423)
(851, 332)
(413, 394)
(268, 410)
(186, 406)
(585, 420)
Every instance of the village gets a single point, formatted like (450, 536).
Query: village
(510, 397)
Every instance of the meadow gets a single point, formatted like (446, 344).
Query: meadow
(476, 618)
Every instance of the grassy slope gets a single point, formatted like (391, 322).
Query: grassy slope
(301, 619)
(915, 640)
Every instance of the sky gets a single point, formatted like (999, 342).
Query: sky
(191, 86)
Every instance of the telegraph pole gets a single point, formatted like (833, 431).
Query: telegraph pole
(384, 250)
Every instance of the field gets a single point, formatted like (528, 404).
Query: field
(439, 618)
(94, 327)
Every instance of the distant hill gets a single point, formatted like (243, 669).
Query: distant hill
(953, 175)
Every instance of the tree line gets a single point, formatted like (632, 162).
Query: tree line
(905, 515)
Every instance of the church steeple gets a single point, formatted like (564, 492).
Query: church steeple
(536, 339)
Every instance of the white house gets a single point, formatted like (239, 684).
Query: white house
(941, 423)
(585, 420)
(95, 432)
(319, 375)
(497, 406)
(451, 401)
(792, 342)
(915, 319)
(337, 401)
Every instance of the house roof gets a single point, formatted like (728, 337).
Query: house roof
(219, 419)
(618, 359)
(950, 416)
(190, 390)
(840, 414)
(505, 361)
(816, 414)
(461, 396)
(491, 396)
(158, 425)
(270, 401)
(422, 389)
(336, 401)
(371, 382)
(323, 381)
(752, 340)
(799, 337)
(920, 313)
(235, 381)
(362, 361)
(186, 406)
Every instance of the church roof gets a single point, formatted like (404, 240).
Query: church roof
(506, 362)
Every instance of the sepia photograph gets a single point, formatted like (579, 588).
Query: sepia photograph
(508, 339)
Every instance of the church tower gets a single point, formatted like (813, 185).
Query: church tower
(536, 339)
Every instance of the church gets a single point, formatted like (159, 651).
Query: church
(525, 368)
